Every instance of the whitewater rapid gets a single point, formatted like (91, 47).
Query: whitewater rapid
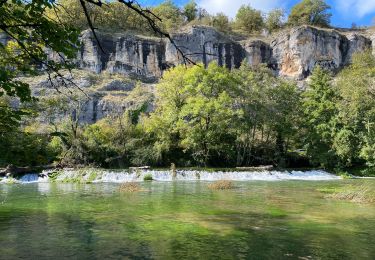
(108, 176)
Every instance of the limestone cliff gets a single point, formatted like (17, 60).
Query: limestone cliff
(297, 52)
(125, 54)
(291, 53)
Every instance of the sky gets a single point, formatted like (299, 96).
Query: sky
(344, 12)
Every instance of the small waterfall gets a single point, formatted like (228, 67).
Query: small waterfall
(27, 178)
(108, 176)
(33, 177)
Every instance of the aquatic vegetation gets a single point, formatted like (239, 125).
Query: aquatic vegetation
(53, 176)
(363, 193)
(148, 177)
(129, 187)
(92, 177)
(11, 181)
(221, 185)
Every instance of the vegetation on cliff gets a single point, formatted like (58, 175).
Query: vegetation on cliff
(115, 16)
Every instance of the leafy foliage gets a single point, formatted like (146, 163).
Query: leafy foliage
(319, 112)
(221, 22)
(274, 20)
(356, 86)
(248, 20)
(190, 11)
(312, 12)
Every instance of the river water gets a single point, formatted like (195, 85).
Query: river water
(289, 219)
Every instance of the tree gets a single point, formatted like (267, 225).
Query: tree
(355, 140)
(274, 20)
(162, 123)
(170, 15)
(206, 120)
(248, 20)
(221, 22)
(190, 10)
(320, 110)
(195, 114)
(269, 122)
(311, 12)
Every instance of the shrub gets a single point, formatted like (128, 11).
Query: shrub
(221, 185)
(129, 187)
(148, 177)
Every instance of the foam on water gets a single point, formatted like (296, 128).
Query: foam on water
(108, 176)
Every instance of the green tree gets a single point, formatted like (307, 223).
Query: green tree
(274, 20)
(170, 15)
(206, 120)
(320, 110)
(162, 123)
(311, 12)
(270, 116)
(195, 112)
(190, 10)
(248, 20)
(356, 84)
(221, 22)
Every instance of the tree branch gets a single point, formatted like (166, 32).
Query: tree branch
(83, 4)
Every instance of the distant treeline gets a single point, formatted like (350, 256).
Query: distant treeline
(115, 16)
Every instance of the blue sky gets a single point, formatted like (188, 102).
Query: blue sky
(345, 12)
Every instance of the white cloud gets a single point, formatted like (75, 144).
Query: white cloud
(358, 8)
(230, 7)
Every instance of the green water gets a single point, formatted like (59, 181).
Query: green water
(184, 220)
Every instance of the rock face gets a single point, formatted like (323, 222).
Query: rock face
(293, 53)
(296, 53)
(257, 52)
(204, 45)
(98, 96)
(127, 54)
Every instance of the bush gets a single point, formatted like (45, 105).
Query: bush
(221, 185)
(148, 177)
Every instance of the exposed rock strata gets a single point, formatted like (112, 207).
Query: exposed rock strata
(293, 53)
(125, 54)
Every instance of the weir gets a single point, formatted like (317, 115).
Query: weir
(110, 176)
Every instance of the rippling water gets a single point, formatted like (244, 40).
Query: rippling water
(184, 220)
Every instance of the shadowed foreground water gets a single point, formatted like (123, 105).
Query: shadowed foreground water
(184, 220)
